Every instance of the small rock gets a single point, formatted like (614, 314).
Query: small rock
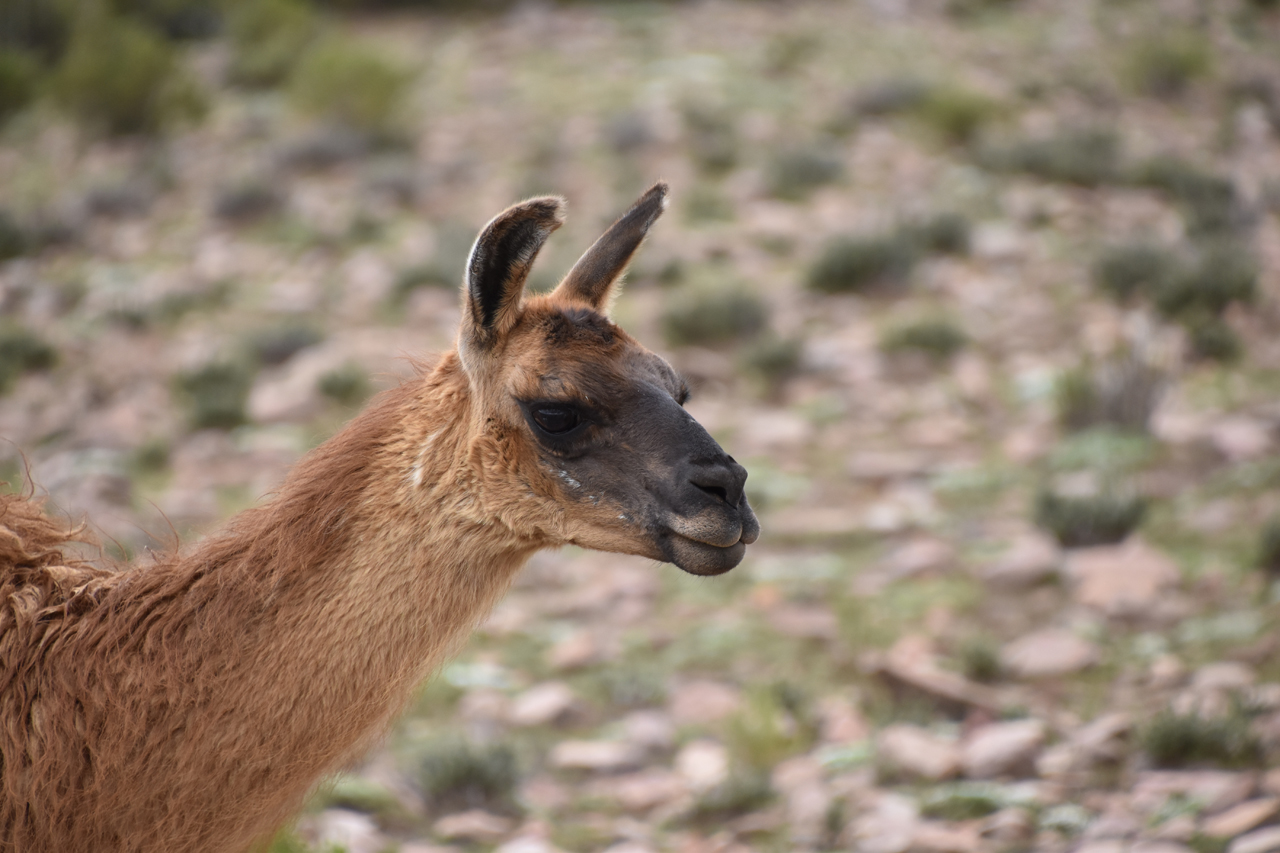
(1223, 675)
(574, 652)
(650, 730)
(1238, 820)
(474, 825)
(542, 704)
(840, 721)
(598, 755)
(347, 830)
(1159, 846)
(527, 844)
(642, 791)
(1240, 438)
(805, 622)
(916, 753)
(1259, 841)
(703, 764)
(1217, 789)
(1002, 749)
(932, 837)
(1009, 827)
(1121, 580)
(1031, 560)
(1047, 653)
(888, 827)
(702, 702)
(919, 556)
(801, 782)
(998, 241)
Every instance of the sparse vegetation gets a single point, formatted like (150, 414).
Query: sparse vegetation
(1211, 339)
(853, 264)
(1224, 273)
(1169, 60)
(22, 351)
(1268, 556)
(268, 37)
(980, 659)
(1086, 157)
(347, 385)
(350, 84)
(1187, 740)
(939, 339)
(1122, 392)
(457, 775)
(742, 793)
(1209, 201)
(963, 801)
(795, 172)
(956, 115)
(120, 77)
(942, 233)
(278, 345)
(712, 137)
(216, 394)
(1084, 520)
(1128, 271)
(773, 358)
(712, 311)
(19, 73)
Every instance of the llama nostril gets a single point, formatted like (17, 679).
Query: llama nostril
(715, 491)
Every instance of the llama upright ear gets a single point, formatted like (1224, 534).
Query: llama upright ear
(592, 278)
(499, 264)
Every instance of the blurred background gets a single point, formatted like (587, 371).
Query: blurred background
(984, 293)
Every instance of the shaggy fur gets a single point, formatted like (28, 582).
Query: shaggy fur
(190, 702)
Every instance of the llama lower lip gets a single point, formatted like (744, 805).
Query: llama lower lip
(699, 558)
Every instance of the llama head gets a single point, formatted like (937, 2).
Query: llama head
(587, 421)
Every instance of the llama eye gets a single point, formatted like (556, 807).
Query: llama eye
(556, 420)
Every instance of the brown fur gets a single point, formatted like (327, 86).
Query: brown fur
(190, 703)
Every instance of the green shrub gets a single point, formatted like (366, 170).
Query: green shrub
(794, 173)
(22, 351)
(1224, 273)
(942, 233)
(711, 312)
(963, 801)
(1165, 64)
(38, 27)
(119, 77)
(633, 685)
(1213, 340)
(939, 339)
(19, 73)
(888, 97)
(151, 457)
(268, 37)
(980, 659)
(742, 793)
(278, 345)
(1087, 157)
(350, 84)
(1086, 520)
(216, 394)
(770, 727)
(247, 200)
(1268, 558)
(773, 358)
(706, 204)
(956, 115)
(1130, 270)
(1180, 740)
(1209, 201)
(457, 775)
(855, 264)
(712, 136)
(13, 239)
(1122, 392)
(348, 385)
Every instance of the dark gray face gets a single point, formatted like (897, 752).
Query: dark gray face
(614, 433)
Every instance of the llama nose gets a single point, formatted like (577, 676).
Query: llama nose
(724, 481)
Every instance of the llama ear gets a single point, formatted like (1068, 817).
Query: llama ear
(592, 278)
(499, 264)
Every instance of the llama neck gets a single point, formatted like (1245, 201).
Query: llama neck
(307, 622)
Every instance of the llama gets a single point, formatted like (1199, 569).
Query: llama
(192, 701)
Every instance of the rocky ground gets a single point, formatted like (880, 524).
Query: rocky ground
(986, 296)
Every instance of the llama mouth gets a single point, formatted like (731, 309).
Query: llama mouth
(699, 558)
